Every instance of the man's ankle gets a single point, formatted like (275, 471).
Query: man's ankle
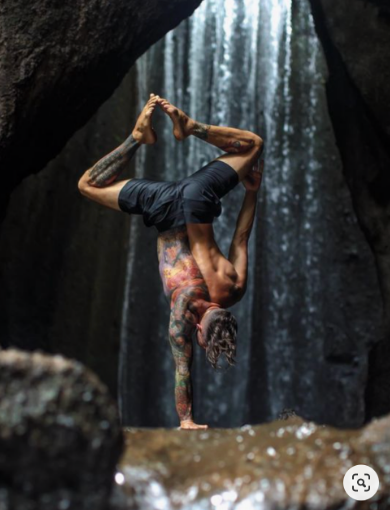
(199, 130)
(190, 126)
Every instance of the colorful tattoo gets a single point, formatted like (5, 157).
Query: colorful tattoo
(178, 269)
(106, 170)
(183, 286)
(201, 131)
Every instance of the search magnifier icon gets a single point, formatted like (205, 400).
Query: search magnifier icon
(361, 482)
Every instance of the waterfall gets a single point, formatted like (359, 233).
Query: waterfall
(256, 66)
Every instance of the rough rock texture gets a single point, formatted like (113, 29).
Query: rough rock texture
(58, 62)
(59, 434)
(356, 40)
(63, 257)
(287, 464)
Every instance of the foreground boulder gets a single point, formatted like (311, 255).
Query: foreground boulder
(60, 437)
(58, 62)
(286, 465)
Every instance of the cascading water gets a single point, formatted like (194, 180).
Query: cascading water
(256, 66)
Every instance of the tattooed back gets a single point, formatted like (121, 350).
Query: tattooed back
(178, 269)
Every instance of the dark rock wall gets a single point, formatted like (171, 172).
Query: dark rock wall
(58, 62)
(356, 46)
(62, 257)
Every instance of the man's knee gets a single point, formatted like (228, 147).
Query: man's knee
(258, 143)
(86, 186)
(82, 186)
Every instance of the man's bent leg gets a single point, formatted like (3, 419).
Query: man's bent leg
(107, 196)
(243, 147)
(97, 183)
(228, 139)
(242, 163)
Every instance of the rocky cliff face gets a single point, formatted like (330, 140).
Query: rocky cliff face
(356, 41)
(58, 62)
(62, 257)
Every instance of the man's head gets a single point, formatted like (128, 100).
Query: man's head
(217, 334)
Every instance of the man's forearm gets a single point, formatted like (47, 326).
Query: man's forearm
(246, 218)
(183, 394)
(107, 169)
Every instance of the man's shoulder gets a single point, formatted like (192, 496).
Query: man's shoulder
(190, 294)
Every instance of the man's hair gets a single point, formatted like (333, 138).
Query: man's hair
(221, 337)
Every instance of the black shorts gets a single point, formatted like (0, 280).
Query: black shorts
(168, 205)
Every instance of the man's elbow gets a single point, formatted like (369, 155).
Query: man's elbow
(183, 369)
(258, 143)
(239, 291)
(241, 240)
(243, 290)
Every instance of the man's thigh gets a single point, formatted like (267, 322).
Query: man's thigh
(241, 163)
(107, 196)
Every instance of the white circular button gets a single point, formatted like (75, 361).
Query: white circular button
(361, 482)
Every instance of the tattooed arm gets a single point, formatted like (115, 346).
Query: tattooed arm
(182, 324)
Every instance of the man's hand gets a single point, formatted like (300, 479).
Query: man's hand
(189, 424)
(253, 179)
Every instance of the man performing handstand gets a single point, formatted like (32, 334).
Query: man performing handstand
(198, 280)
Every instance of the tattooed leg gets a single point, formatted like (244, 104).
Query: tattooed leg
(243, 147)
(228, 139)
(106, 170)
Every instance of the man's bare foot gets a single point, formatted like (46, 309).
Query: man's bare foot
(143, 131)
(182, 124)
(190, 425)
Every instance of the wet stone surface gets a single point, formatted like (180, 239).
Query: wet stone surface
(287, 464)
